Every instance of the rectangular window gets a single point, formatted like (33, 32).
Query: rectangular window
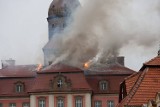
(12, 105)
(110, 103)
(1, 105)
(41, 102)
(19, 88)
(25, 104)
(78, 102)
(60, 102)
(97, 104)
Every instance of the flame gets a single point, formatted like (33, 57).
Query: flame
(39, 67)
(86, 64)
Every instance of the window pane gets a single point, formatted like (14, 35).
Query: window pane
(60, 103)
(41, 103)
(97, 104)
(12, 105)
(110, 103)
(19, 88)
(78, 102)
(103, 85)
(25, 104)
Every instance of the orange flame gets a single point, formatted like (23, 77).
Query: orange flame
(86, 64)
(39, 67)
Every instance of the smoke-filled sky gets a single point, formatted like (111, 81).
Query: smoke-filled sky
(130, 27)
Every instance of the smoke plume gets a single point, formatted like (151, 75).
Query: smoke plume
(100, 28)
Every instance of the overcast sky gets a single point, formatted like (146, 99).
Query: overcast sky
(24, 32)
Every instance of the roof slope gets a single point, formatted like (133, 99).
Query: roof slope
(144, 85)
(114, 69)
(114, 74)
(8, 86)
(18, 71)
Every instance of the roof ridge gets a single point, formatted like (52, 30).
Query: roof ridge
(136, 86)
(134, 74)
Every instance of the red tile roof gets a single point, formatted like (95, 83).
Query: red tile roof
(8, 86)
(60, 68)
(130, 81)
(114, 69)
(113, 83)
(114, 74)
(154, 61)
(18, 71)
(144, 85)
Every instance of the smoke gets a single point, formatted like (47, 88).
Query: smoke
(101, 28)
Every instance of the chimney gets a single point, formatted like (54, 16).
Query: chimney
(6, 63)
(120, 60)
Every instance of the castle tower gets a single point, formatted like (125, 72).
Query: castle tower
(59, 14)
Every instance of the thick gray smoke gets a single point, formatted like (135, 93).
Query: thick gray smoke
(102, 27)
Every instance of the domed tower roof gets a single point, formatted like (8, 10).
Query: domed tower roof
(62, 7)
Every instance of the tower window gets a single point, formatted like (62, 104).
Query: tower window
(103, 85)
(53, 25)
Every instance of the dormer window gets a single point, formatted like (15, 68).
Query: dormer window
(19, 87)
(103, 85)
(59, 83)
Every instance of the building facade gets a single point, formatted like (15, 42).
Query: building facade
(60, 86)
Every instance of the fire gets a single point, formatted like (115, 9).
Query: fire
(86, 64)
(39, 67)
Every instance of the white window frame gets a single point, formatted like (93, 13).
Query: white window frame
(110, 103)
(60, 102)
(78, 102)
(41, 102)
(12, 104)
(103, 85)
(26, 104)
(98, 104)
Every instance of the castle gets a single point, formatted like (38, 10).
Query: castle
(60, 85)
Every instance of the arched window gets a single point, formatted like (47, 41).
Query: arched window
(19, 87)
(103, 85)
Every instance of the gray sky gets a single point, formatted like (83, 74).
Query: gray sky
(24, 32)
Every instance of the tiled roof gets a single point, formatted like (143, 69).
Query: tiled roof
(130, 81)
(18, 71)
(154, 61)
(59, 68)
(113, 83)
(115, 69)
(144, 85)
(7, 86)
(114, 74)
